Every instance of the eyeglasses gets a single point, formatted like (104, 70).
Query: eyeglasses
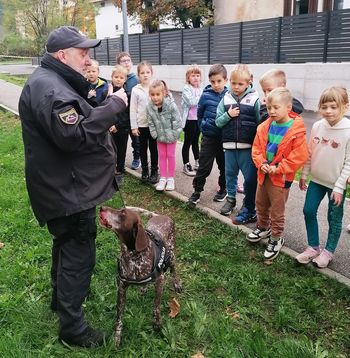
(125, 61)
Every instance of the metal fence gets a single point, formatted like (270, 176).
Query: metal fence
(322, 37)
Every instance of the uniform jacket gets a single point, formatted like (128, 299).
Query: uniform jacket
(291, 154)
(69, 155)
(206, 112)
(188, 100)
(242, 129)
(164, 125)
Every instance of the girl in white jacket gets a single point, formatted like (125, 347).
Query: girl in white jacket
(190, 97)
(139, 124)
(329, 167)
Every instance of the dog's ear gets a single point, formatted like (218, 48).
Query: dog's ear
(141, 241)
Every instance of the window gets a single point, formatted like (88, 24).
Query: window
(299, 7)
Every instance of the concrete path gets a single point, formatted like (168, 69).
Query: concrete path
(295, 234)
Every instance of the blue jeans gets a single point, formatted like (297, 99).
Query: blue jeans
(314, 195)
(236, 160)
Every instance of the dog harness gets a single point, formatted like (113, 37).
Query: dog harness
(161, 261)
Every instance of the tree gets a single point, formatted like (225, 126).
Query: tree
(34, 19)
(183, 13)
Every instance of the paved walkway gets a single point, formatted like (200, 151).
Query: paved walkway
(295, 234)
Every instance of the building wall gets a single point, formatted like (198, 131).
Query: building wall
(228, 11)
(108, 17)
(306, 81)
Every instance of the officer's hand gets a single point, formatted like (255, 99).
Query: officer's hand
(121, 94)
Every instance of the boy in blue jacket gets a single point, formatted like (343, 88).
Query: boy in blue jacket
(238, 116)
(211, 145)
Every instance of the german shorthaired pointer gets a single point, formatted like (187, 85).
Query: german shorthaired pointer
(145, 254)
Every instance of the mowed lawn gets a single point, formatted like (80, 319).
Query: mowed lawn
(233, 305)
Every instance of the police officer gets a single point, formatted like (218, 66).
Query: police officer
(69, 167)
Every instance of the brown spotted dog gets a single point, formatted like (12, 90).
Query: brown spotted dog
(145, 255)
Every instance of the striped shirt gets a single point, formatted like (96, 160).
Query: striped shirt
(274, 138)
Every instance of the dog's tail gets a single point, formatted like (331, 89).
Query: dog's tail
(143, 211)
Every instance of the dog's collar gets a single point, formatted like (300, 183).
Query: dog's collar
(161, 262)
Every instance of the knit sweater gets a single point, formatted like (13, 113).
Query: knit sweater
(138, 103)
(329, 154)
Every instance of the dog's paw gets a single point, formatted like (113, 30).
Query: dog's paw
(157, 326)
(178, 286)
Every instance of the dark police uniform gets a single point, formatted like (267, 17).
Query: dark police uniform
(69, 166)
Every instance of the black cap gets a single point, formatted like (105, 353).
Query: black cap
(66, 37)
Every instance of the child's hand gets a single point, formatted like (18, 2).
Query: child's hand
(272, 169)
(135, 132)
(302, 184)
(113, 129)
(92, 93)
(337, 198)
(348, 181)
(263, 101)
(110, 89)
(265, 168)
(233, 111)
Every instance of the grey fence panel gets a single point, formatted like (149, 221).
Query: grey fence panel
(101, 53)
(134, 48)
(225, 43)
(260, 41)
(150, 48)
(195, 46)
(171, 47)
(115, 46)
(320, 37)
(339, 36)
(303, 38)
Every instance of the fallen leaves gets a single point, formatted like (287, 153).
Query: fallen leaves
(231, 313)
(198, 355)
(174, 308)
(268, 262)
(2, 245)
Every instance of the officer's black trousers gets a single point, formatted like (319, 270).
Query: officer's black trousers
(73, 260)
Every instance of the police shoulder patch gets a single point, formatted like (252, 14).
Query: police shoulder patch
(69, 117)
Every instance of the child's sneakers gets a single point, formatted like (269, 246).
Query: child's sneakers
(323, 259)
(220, 195)
(244, 217)
(273, 248)
(308, 255)
(258, 234)
(194, 198)
(170, 184)
(228, 206)
(188, 170)
(161, 184)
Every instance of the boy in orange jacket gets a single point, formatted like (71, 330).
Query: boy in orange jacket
(279, 150)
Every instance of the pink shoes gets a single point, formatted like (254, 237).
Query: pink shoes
(308, 255)
(322, 260)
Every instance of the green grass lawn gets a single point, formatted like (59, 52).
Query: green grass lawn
(233, 305)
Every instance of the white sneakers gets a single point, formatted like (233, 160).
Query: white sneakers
(320, 258)
(165, 184)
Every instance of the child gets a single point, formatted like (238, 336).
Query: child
(124, 59)
(211, 144)
(190, 97)
(139, 122)
(278, 151)
(98, 89)
(270, 80)
(329, 167)
(165, 126)
(238, 116)
(120, 133)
